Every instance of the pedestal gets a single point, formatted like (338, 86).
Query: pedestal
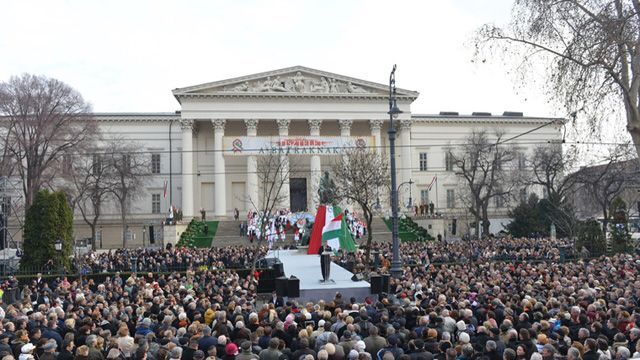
(325, 267)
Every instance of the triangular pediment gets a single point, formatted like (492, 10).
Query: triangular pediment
(297, 80)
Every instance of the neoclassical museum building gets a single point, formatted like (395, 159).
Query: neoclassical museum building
(207, 152)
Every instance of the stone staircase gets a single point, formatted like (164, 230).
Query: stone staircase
(380, 231)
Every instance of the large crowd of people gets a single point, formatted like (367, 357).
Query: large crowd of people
(498, 299)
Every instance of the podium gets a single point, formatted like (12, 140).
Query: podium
(325, 267)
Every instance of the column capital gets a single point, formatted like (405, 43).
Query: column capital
(251, 124)
(376, 124)
(345, 124)
(218, 124)
(186, 124)
(314, 124)
(405, 124)
(283, 124)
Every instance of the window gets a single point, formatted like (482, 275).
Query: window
(424, 196)
(523, 195)
(96, 166)
(522, 161)
(448, 161)
(126, 162)
(66, 164)
(423, 161)
(155, 203)
(128, 235)
(6, 206)
(99, 236)
(499, 199)
(451, 199)
(155, 163)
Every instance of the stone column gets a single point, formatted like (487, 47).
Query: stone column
(252, 168)
(376, 127)
(345, 132)
(220, 178)
(315, 166)
(405, 141)
(345, 127)
(187, 126)
(283, 131)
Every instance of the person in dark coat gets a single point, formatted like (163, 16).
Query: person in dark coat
(591, 347)
(67, 350)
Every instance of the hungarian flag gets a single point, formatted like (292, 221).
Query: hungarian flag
(337, 236)
(434, 180)
(336, 232)
(165, 189)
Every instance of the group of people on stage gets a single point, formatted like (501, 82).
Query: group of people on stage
(284, 221)
(356, 226)
(273, 228)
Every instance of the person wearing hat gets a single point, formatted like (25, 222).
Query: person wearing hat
(230, 351)
(247, 354)
(26, 352)
(49, 349)
(4, 343)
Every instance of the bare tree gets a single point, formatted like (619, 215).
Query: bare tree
(43, 118)
(483, 172)
(590, 49)
(361, 175)
(128, 171)
(273, 170)
(89, 179)
(603, 183)
(551, 170)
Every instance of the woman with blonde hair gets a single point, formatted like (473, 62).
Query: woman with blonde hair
(125, 342)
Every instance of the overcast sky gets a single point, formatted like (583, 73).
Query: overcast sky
(128, 55)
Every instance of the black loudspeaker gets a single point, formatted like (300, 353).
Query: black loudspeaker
(376, 284)
(293, 287)
(281, 286)
(454, 226)
(385, 283)
(357, 277)
(279, 269)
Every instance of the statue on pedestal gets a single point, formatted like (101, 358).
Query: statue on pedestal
(327, 190)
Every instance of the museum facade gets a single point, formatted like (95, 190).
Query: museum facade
(206, 155)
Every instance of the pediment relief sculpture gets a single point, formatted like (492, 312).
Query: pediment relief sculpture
(298, 83)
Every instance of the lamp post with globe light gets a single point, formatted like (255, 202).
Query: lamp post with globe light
(394, 111)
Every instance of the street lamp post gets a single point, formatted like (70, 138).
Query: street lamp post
(58, 246)
(394, 111)
(170, 164)
(410, 183)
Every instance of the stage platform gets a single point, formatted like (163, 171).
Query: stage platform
(307, 269)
